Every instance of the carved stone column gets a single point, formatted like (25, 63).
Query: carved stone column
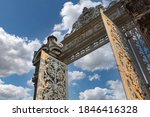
(50, 74)
(132, 83)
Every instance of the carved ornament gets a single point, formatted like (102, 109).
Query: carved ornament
(51, 47)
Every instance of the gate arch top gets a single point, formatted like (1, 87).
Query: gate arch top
(88, 32)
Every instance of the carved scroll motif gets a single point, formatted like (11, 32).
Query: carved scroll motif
(128, 74)
(139, 45)
(144, 25)
(54, 81)
(87, 15)
(137, 6)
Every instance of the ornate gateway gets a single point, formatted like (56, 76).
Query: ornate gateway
(125, 24)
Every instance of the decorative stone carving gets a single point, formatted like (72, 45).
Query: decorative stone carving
(137, 6)
(127, 71)
(54, 81)
(51, 83)
(112, 3)
(144, 24)
(51, 47)
(87, 15)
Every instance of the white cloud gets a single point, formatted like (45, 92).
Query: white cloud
(94, 94)
(107, 2)
(74, 84)
(75, 75)
(30, 83)
(100, 59)
(117, 88)
(12, 92)
(16, 54)
(114, 92)
(94, 77)
(1, 82)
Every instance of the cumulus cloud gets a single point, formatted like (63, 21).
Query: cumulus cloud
(16, 54)
(94, 77)
(12, 92)
(107, 2)
(74, 84)
(114, 92)
(101, 59)
(117, 89)
(95, 94)
(1, 82)
(76, 75)
(30, 83)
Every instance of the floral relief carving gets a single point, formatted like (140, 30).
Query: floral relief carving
(54, 86)
(125, 65)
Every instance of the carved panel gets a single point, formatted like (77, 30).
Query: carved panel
(87, 15)
(144, 25)
(136, 7)
(87, 49)
(52, 82)
(51, 47)
(131, 82)
(139, 44)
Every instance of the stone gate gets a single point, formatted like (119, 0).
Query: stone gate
(125, 24)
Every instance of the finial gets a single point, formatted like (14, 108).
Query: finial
(51, 37)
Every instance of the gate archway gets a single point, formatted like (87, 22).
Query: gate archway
(129, 40)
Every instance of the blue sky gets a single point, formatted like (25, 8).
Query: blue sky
(24, 26)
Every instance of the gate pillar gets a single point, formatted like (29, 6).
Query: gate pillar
(133, 84)
(50, 78)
